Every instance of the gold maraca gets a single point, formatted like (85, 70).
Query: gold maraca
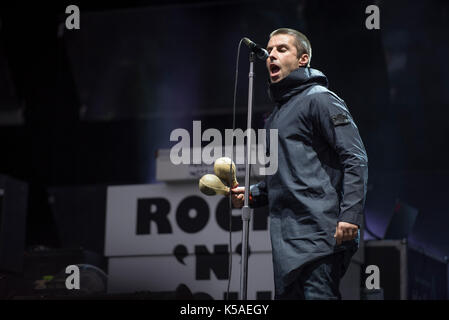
(211, 185)
(222, 170)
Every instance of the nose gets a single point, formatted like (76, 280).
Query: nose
(272, 55)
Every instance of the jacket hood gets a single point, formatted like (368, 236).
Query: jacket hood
(297, 81)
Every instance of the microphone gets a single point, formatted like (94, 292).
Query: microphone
(260, 52)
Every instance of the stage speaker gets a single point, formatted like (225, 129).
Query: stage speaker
(407, 272)
(390, 256)
(13, 209)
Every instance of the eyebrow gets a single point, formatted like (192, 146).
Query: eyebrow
(279, 45)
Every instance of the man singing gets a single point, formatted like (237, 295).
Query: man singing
(316, 197)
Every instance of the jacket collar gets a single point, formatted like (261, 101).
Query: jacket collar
(296, 82)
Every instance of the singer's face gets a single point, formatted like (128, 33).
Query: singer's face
(283, 57)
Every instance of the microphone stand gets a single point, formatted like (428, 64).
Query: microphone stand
(246, 210)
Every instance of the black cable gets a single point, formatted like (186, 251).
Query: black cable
(230, 167)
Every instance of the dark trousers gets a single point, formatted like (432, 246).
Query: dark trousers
(320, 279)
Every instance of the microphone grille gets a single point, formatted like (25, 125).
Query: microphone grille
(247, 41)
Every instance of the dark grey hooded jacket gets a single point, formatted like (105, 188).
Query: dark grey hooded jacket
(322, 173)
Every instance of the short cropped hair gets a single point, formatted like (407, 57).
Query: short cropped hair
(301, 42)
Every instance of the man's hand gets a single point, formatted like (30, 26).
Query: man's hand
(238, 197)
(345, 231)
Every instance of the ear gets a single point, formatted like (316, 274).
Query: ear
(303, 60)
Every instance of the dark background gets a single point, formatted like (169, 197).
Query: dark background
(84, 109)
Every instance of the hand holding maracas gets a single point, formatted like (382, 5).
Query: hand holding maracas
(218, 183)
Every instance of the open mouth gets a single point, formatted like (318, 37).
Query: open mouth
(274, 71)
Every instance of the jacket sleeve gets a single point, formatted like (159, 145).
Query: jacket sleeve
(258, 194)
(337, 128)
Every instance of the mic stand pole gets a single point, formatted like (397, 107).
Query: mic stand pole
(246, 210)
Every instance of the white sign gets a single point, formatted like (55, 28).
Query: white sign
(160, 236)
(155, 219)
